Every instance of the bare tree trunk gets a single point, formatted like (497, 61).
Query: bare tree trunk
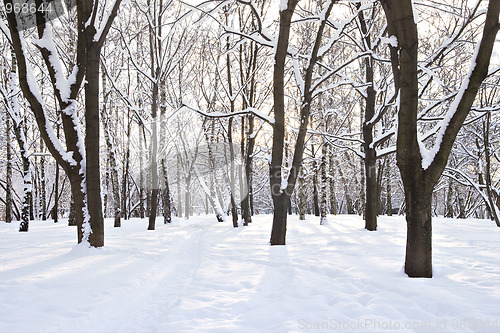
(449, 200)
(106, 189)
(315, 184)
(27, 188)
(419, 180)
(126, 171)
(8, 175)
(494, 208)
(234, 212)
(279, 197)
(142, 185)
(43, 183)
(92, 149)
(19, 131)
(55, 209)
(302, 194)
(324, 177)
(281, 194)
(179, 188)
(187, 197)
(167, 211)
(333, 194)
(371, 190)
(154, 164)
(388, 188)
(111, 157)
(72, 212)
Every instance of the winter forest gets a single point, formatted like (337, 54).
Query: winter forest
(288, 153)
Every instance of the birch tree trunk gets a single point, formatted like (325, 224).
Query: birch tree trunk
(8, 173)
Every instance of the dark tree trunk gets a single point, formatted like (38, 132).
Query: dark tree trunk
(55, 209)
(388, 188)
(419, 180)
(72, 212)
(371, 188)
(281, 196)
(302, 194)
(315, 185)
(167, 211)
(155, 73)
(92, 149)
(418, 260)
(278, 233)
(449, 200)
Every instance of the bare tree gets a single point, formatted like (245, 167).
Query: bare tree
(420, 169)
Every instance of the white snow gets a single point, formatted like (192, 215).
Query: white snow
(393, 41)
(283, 5)
(204, 276)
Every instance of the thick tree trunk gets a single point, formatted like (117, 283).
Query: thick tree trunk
(92, 148)
(278, 233)
(418, 261)
(419, 179)
(282, 194)
(370, 190)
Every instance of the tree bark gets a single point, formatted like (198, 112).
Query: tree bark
(279, 197)
(92, 149)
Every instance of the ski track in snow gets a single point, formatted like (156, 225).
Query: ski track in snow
(203, 276)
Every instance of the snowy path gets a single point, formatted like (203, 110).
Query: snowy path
(204, 276)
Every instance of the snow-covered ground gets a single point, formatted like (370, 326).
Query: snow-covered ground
(204, 276)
